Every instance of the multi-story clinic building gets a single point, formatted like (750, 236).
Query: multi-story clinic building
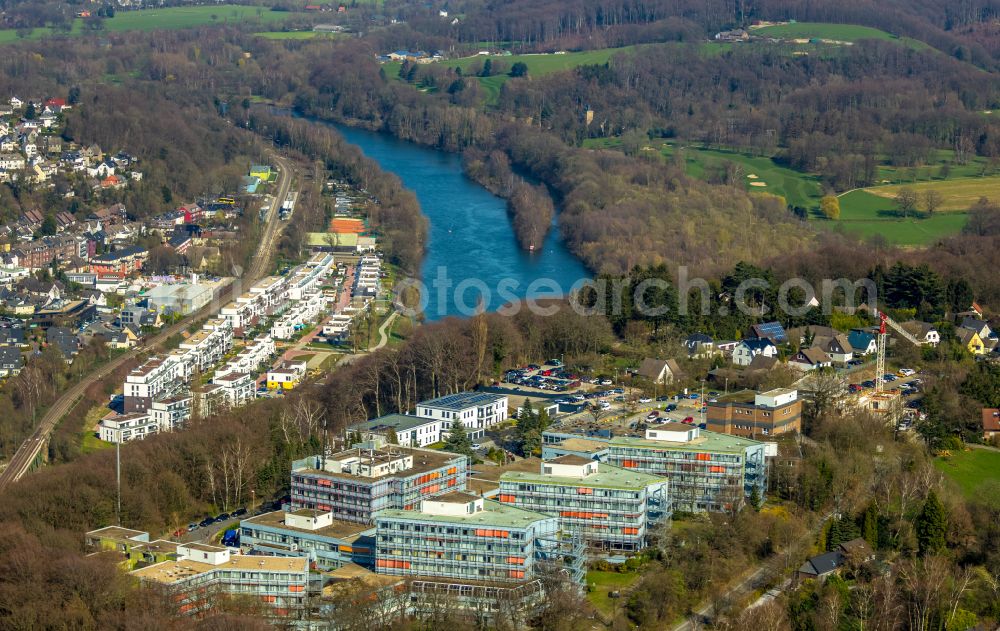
(200, 573)
(460, 537)
(707, 471)
(771, 413)
(353, 484)
(608, 507)
(327, 542)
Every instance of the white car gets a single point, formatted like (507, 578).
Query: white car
(604, 405)
(645, 400)
(476, 446)
(907, 372)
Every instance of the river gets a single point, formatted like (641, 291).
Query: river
(471, 248)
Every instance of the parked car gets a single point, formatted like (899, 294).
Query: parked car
(193, 526)
(854, 387)
(239, 512)
(906, 372)
(889, 377)
(222, 517)
(663, 398)
(476, 446)
(180, 532)
(606, 382)
(555, 362)
(702, 425)
(652, 416)
(670, 407)
(693, 395)
(855, 362)
(604, 405)
(645, 400)
(868, 384)
(689, 420)
(208, 521)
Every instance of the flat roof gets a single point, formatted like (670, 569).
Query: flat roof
(571, 459)
(161, 546)
(116, 532)
(492, 474)
(584, 445)
(454, 497)
(607, 477)
(342, 530)
(707, 441)
(399, 422)
(204, 547)
(463, 400)
(170, 572)
(424, 460)
(493, 514)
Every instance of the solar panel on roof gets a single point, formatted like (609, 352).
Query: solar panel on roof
(772, 330)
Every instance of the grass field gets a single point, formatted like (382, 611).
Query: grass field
(818, 30)
(169, 18)
(956, 194)
(865, 215)
(604, 582)
(976, 472)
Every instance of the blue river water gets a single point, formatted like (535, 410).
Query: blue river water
(471, 250)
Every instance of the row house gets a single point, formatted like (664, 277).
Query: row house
(251, 359)
(298, 315)
(43, 252)
(310, 276)
(368, 277)
(208, 346)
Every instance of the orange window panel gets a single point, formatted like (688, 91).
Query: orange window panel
(515, 560)
(630, 531)
(452, 482)
(630, 464)
(716, 469)
(452, 470)
(434, 488)
(509, 499)
(703, 457)
(582, 490)
(345, 549)
(516, 573)
(296, 588)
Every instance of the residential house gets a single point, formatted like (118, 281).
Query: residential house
(286, 376)
(11, 361)
(991, 423)
(122, 428)
(746, 350)
(659, 371)
(805, 335)
(981, 327)
(65, 341)
(411, 431)
(837, 348)
(772, 331)
(12, 337)
(971, 341)
(925, 332)
(823, 565)
(862, 342)
(810, 359)
(699, 345)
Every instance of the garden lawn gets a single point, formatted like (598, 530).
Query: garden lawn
(603, 582)
(976, 472)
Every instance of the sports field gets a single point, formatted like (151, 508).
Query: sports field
(168, 18)
(976, 472)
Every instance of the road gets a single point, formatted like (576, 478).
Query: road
(21, 461)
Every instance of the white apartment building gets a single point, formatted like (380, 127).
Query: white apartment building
(170, 413)
(476, 410)
(238, 388)
(121, 428)
(158, 376)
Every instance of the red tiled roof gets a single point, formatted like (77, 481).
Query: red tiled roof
(991, 420)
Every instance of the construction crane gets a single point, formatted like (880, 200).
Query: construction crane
(883, 336)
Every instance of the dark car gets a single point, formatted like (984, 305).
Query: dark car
(208, 521)
(854, 387)
(222, 517)
(868, 384)
(670, 407)
(663, 398)
(239, 512)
